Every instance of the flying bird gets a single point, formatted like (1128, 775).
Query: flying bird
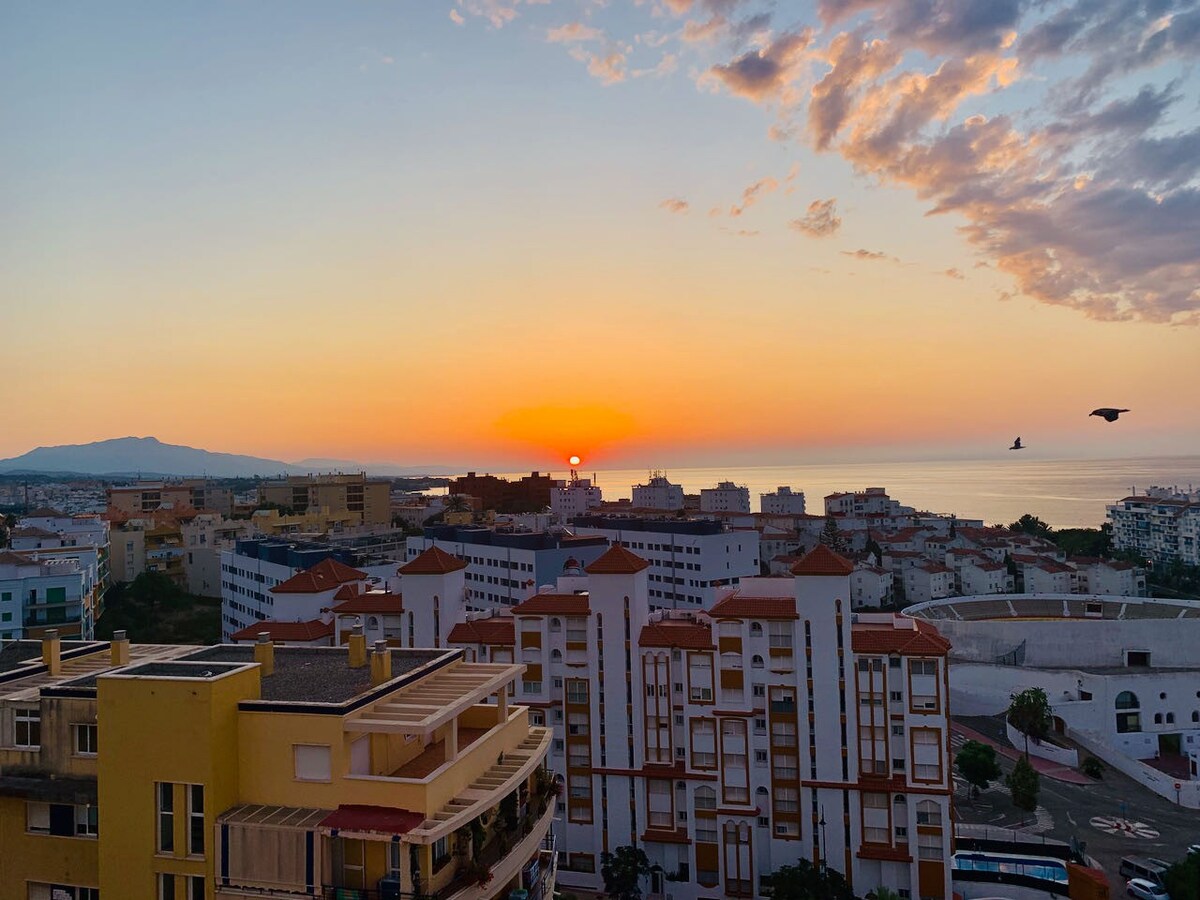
(1107, 413)
(1017, 445)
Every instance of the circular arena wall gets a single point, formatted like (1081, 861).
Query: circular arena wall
(1065, 630)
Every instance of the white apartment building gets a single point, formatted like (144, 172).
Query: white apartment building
(870, 586)
(872, 501)
(574, 498)
(927, 581)
(1161, 528)
(204, 537)
(254, 567)
(658, 493)
(725, 497)
(696, 737)
(40, 590)
(504, 569)
(782, 502)
(38, 532)
(691, 561)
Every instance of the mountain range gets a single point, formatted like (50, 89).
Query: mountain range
(150, 457)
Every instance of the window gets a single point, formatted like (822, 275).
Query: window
(1128, 718)
(166, 886)
(756, 662)
(756, 628)
(27, 732)
(441, 852)
(577, 630)
(780, 635)
(165, 792)
(706, 831)
(577, 691)
(875, 801)
(37, 818)
(929, 846)
(929, 813)
(195, 819)
(85, 739)
(312, 762)
(898, 730)
(758, 690)
(531, 687)
(706, 798)
(87, 823)
(555, 624)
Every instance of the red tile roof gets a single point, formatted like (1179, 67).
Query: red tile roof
(434, 561)
(685, 635)
(546, 604)
(286, 631)
(616, 560)
(738, 607)
(820, 560)
(377, 819)
(886, 638)
(339, 572)
(324, 576)
(374, 603)
(494, 631)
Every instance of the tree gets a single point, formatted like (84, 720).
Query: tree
(883, 893)
(1029, 713)
(1183, 878)
(804, 881)
(877, 551)
(623, 871)
(1023, 783)
(831, 537)
(1030, 524)
(976, 762)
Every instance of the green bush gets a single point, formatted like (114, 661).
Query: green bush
(1092, 768)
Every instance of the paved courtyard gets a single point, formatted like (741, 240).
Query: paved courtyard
(1156, 827)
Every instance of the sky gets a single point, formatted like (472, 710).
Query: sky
(667, 232)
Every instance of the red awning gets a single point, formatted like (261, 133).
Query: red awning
(379, 819)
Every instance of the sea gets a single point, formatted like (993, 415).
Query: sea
(1066, 493)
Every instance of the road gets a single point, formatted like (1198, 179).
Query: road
(1067, 811)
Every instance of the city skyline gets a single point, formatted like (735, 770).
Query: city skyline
(515, 232)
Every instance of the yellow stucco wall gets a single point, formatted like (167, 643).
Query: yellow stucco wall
(41, 858)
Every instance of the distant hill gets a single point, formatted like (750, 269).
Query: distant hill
(150, 457)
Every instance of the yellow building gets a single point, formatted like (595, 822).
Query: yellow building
(270, 771)
(368, 499)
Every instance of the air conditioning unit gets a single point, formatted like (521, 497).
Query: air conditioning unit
(389, 888)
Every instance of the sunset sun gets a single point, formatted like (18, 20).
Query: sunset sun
(574, 460)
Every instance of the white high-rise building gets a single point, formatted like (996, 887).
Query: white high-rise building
(658, 493)
(1162, 528)
(725, 497)
(784, 502)
(574, 498)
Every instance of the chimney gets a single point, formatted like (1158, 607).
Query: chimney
(52, 651)
(264, 653)
(358, 647)
(119, 647)
(381, 663)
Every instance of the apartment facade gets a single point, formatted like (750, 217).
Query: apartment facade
(713, 740)
(658, 493)
(691, 562)
(531, 493)
(725, 497)
(233, 771)
(365, 501)
(783, 502)
(506, 568)
(576, 497)
(1160, 528)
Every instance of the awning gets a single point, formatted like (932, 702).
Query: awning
(376, 819)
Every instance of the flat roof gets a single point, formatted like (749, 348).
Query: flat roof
(314, 674)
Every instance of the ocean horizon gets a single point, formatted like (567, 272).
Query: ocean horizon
(1067, 493)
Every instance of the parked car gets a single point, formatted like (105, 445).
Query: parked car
(1145, 890)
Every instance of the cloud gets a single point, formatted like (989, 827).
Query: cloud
(571, 32)
(821, 220)
(764, 73)
(456, 17)
(753, 194)
(674, 205)
(953, 273)
(870, 255)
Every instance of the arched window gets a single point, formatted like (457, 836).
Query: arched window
(762, 791)
(1158, 718)
(706, 798)
(1170, 718)
(555, 656)
(756, 662)
(372, 623)
(756, 628)
(731, 660)
(1127, 700)
(929, 813)
(555, 624)
(1195, 715)
(899, 798)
